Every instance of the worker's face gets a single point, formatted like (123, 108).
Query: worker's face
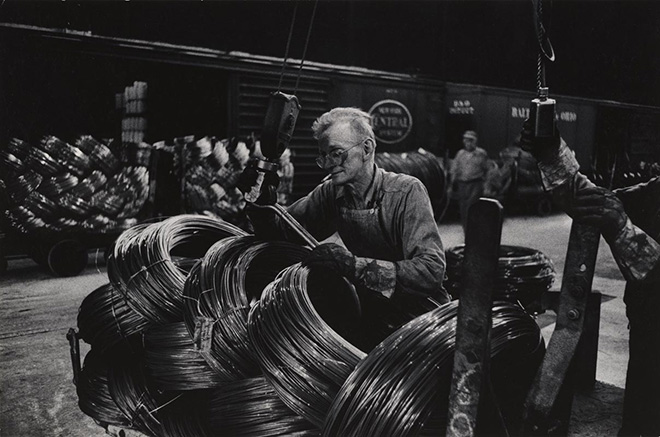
(469, 142)
(342, 154)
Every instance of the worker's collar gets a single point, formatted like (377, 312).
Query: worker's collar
(369, 200)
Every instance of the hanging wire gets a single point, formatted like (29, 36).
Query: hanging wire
(307, 38)
(401, 388)
(288, 43)
(251, 407)
(303, 357)
(142, 269)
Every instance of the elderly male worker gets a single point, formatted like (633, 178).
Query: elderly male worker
(468, 173)
(393, 248)
(629, 220)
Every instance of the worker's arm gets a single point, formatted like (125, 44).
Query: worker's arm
(636, 253)
(422, 270)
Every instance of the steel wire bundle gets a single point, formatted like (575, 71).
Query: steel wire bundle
(41, 206)
(105, 320)
(68, 156)
(43, 163)
(94, 397)
(128, 387)
(90, 185)
(10, 163)
(523, 274)
(20, 187)
(19, 148)
(99, 154)
(74, 206)
(58, 184)
(221, 289)
(396, 389)
(135, 154)
(302, 357)
(251, 407)
(141, 265)
(173, 362)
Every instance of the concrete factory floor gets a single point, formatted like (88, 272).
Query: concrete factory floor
(38, 398)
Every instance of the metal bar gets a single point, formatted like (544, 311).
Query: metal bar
(472, 356)
(575, 289)
(586, 355)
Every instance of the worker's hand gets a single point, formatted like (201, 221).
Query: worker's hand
(543, 149)
(599, 207)
(333, 257)
(248, 180)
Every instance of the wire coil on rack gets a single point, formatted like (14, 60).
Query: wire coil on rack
(19, 148)
(58, 184)
(303, 357)
(43, 163)
(523, 274)
(19, 188)
(141, 265)
(104, 319)
(90, 185)
(402, 386)
(251, 407)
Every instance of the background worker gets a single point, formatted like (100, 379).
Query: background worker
(393, 250)
(629, 220)
(467, 174)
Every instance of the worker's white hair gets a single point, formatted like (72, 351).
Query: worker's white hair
(359, 121)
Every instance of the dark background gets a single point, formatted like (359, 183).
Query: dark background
(605, 49)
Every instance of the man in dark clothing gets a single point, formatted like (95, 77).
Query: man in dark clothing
(629, 220)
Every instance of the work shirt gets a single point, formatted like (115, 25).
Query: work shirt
(469, 166)
(398, 247)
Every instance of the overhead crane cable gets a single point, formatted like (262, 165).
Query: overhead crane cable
(288, 44)
(546, 51)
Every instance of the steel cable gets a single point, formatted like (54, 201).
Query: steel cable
(141, 267)
(303, 357)
(396, 389)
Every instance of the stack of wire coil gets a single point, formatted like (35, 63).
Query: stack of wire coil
(206, 330)
(523, 275)
(426, 167)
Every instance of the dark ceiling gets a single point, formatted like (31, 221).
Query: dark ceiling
(605, 49)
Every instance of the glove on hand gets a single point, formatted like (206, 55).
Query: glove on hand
(248, 179)
(333, 257)
(599, 207)
(544, 148)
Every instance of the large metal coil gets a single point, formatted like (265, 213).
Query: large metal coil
(107, 203)
(221, 289)
(186, 415)
(251, 407)
(141, 267)
(74, 206)
(303, 357)
(94, 397)
(129, 388)
(58, 184)
(41, 206)
(423, 165)
(19, 148)
(523, 274)
(173, 361)
(67, 155)
(10, 164)
(402, 387)
(105, 320)
(90, 185)
(23, 220)
(20, 187)
(43, 163)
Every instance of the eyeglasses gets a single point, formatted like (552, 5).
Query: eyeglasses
(336, 157)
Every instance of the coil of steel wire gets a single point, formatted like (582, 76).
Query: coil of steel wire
(58, 184)
(303, 357)
(107, 203)
(423, 165)
(402, 386)
(523, 274)
(185, 415)
(20, 187)
(43, 163)
(74, 206)
(66, 155)
(141, 266)
(134, 154)
(19, 148)
(10, 164)
(104, 319)
(251, 407)
(94, 397)
(90, 185)
(221, 289)
(172, 361)
(41, 206)
(128, 387)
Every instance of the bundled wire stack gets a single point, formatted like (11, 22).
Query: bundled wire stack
(211, 172)
(397, 388)
(57, 186)
(523, 275)
(426, 167)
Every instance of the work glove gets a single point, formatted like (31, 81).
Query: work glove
(248, 179)
(598, 207)
(542, 148)
(333, 257)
